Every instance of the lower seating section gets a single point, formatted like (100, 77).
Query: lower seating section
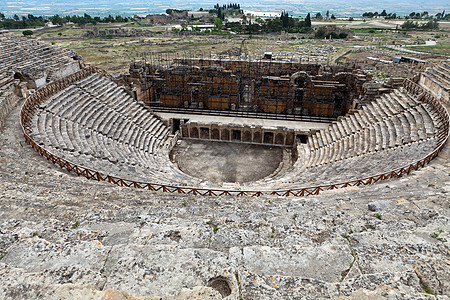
(352, 168)
(94, 123)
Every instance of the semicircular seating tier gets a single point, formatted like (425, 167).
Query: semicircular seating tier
(95, 123)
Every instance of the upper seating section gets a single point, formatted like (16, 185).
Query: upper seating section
(36, 61)
(30, 63)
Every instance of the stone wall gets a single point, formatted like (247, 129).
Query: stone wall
(6, 103)
(264, 86)
(338, 30)
(119, 31)
(159, 18)
(279, 136)
(9, 96)
(437, 88)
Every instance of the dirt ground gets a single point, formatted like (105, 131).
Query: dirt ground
(226, 161)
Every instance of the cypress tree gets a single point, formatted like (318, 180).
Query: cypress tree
(308, 20)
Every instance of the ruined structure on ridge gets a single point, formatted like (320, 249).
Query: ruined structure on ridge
(264, 86)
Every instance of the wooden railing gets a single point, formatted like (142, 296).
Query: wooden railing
(33, 101)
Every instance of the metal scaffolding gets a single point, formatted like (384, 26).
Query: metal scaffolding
(246, 85)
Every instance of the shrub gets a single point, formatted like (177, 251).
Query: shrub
(320, 34)
(27, 32)
(333, 35)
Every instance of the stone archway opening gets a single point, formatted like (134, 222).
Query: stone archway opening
(221, 285)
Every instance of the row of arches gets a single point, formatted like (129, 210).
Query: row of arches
(244, 135)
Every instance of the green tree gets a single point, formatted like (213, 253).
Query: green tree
(328, 14)
(27, 33)
(308, 20)
(333, 17)
(383, 13)
(284, 19)
(408, 25)
(220, 13)
(432, 24)
(218, 24)
(319, 16)
(333, 35)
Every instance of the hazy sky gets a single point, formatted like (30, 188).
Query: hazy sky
(298, 7)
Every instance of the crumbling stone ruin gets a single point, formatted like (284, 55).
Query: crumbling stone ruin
(328, 29)
(160, 18)
(376, 60)
(263, 86)
(362, 213)
(118, 32)
(436, 80)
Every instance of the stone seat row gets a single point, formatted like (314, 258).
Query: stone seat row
(10, 52)
(122, 120)
(33, 57)
(353, 168)
(5, 79)
(122, 130)
(68, 136)
(90, 148)
(12, 40)
(442, 71)
(36, 67)
(19, 54)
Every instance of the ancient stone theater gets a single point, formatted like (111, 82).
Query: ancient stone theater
(207, 178)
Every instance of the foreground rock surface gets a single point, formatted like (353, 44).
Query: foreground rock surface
(63, 237)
